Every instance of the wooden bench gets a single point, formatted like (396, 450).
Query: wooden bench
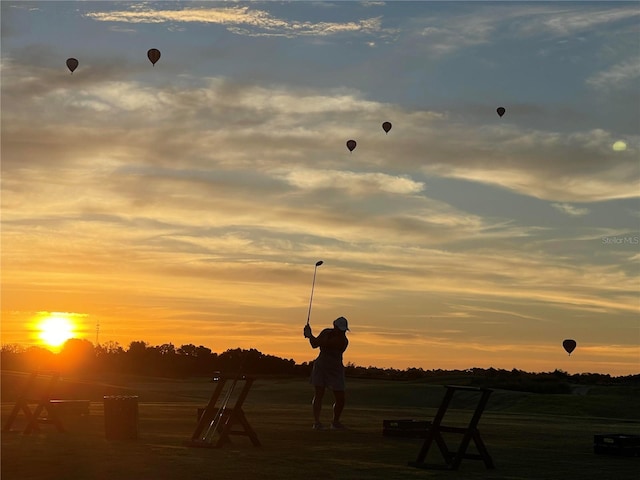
(43, 392)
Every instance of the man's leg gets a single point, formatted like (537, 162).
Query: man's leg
(338, 406)
(317, 403)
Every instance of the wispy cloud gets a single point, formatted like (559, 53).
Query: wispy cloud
(618, 76)
(570, 209)
(242, 20)
(458, 30)
(565, 21)
(572, 22)
(353, 183)
(458, 34)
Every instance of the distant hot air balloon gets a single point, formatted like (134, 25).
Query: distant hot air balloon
(386, 126)
(500, 111)
(351, 144)
(72, 64)
(154, 55)
(569, 345)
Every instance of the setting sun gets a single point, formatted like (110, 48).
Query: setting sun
(56, 329)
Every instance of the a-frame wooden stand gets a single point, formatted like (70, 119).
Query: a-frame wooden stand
(216, 423)
(33, 418)
(453, 459)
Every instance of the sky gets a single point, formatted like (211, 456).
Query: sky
(188, 201)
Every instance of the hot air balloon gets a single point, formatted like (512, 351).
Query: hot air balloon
(569, 345)
(351, 144)
(72, 64)
(500, 111)
(153, 55)
(386, 126)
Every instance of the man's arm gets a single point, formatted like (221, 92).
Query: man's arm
(320, 340)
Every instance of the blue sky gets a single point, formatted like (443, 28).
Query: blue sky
(187, 202)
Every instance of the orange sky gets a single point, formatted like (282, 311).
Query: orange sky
(223, 314)
(188, 202)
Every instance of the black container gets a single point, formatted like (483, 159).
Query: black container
(121, 417)
(617, 444)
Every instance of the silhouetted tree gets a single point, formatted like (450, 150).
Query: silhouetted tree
(39, 359)
(76, 356)
(189, 350)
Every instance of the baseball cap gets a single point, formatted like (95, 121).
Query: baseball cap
(341, 323)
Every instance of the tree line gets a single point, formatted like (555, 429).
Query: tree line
(81, 357)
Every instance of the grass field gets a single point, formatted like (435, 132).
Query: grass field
(529, 436)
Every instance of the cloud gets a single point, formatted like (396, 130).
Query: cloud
(443, 40)
(565, 21)
(241, 20)
(193, 179)
(621, 75)
(570, 209)
(198, 124)
(451, 32)
(570, 22)
(439, 36)
(353, 183)
(577, 166)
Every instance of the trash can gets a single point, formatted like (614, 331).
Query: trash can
(121, 417)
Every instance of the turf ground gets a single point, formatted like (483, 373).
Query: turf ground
(529, 436)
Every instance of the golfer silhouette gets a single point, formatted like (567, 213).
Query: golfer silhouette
(328, 370)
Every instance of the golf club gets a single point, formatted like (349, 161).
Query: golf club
(318, 263)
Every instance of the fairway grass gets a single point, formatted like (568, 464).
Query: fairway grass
(536, 445)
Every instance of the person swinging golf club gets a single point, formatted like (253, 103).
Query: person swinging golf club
(328, 369)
